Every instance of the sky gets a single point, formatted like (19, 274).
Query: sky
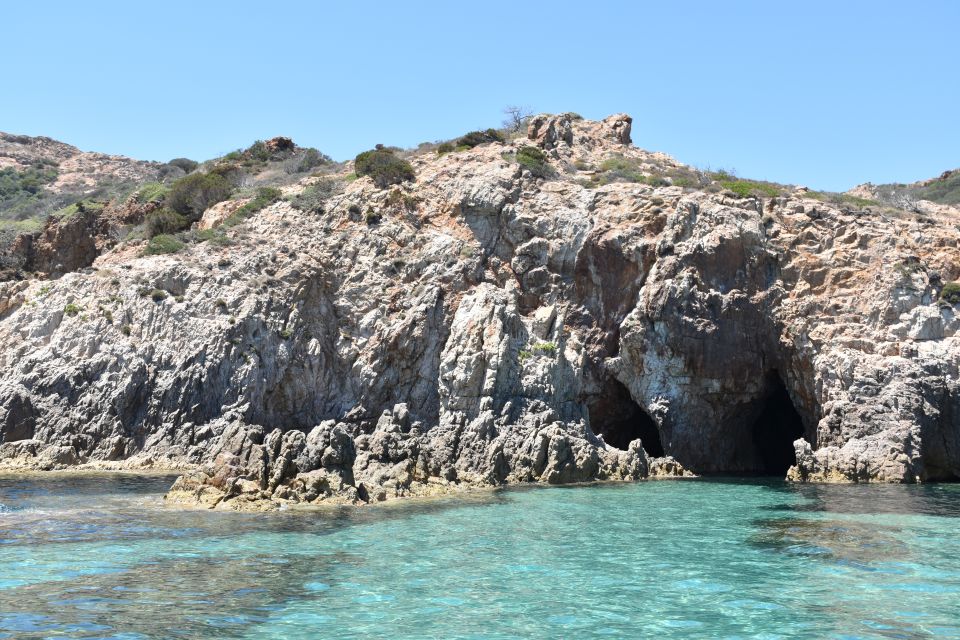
(823, 94)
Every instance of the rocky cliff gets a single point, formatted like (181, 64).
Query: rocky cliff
(599, 312)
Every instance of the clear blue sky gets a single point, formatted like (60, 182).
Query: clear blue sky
(827, 94)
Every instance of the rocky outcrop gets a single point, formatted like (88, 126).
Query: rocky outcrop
(67, 244)
(483, 326)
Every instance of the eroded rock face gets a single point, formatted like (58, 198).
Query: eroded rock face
(489, 327)
(68, 244)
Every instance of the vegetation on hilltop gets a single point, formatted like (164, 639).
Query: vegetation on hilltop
(746, 188)
(383, 166)
(161, 207)
(275, 158)
(944, 189)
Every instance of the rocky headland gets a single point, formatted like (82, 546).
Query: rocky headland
(556, 306)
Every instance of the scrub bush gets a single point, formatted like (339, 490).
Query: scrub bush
(383, 167)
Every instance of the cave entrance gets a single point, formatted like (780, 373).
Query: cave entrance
(615, 416)
(775, 428)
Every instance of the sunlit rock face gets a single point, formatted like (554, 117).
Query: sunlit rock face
(493, 322)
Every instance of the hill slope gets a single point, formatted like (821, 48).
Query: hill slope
(917, 196)
(39, 176)
(60, 207)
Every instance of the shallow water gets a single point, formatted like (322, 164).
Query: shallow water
(100, 557)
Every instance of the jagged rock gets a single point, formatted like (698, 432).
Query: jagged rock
(499, 328)
(548, 131)
(667, 467)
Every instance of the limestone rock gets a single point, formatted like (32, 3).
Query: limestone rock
(495, 328)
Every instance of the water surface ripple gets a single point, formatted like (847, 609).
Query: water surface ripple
(98, 556)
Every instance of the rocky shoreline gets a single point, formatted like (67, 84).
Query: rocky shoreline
(606, 314)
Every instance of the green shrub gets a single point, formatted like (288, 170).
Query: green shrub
(151, 192)
(856, 201)
(125, 329)
(535, 161)
(261, 152)
(163, 243)
(309, 159)
(158, 295)
(951, 293)
(445, 147)
(29, 181)
(71, 309)
(234, 174)
(397, 199)
(312, 198)
(620, 169)
(164, 221)
(264, 198)
(383, 167)
(258, 151)
(81, 206)
(30, 225)
(214, 236)
(475, 138)
(186, 164)
(745, 188)
(945, 189)
(842, 199)
(547, 348)
(191, 195)
(685, 177)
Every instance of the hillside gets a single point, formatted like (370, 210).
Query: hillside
(39, 176)
(61, 207)
(554, 305)
(916, 196)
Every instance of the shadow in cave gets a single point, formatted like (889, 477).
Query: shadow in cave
(775, 428)
(615, 416)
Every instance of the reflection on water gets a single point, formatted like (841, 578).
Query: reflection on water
(101, 557)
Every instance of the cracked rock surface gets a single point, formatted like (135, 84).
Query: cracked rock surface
(488, 327)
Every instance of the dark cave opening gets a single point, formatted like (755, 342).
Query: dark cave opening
(619, 420)
(775, 428)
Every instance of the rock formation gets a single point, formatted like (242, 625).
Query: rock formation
(481, 325)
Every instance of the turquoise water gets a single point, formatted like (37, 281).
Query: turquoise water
(100, 557)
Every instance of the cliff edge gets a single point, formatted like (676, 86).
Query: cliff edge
(554, 307)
